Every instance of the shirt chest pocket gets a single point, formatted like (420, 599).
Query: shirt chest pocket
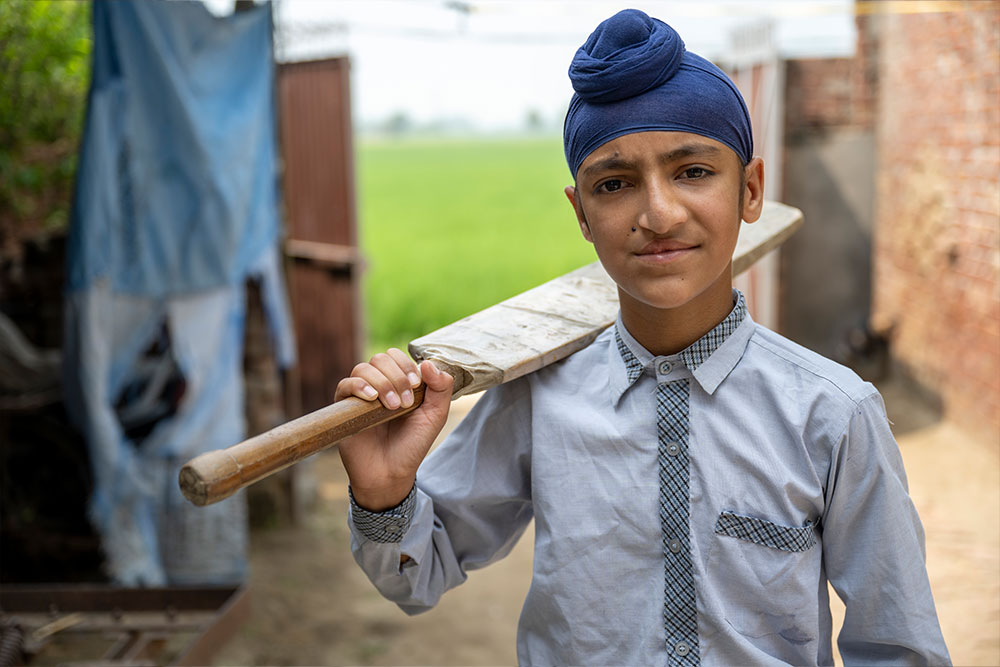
(766, 533)
(767, 574)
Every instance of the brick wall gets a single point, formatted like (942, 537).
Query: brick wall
(825, 93)
(937, 235)
(821, 93)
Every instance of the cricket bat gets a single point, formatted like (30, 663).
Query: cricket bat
(496, 345)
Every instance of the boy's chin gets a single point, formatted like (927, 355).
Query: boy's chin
(677, 297)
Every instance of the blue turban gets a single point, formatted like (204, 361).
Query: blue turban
(634, 75)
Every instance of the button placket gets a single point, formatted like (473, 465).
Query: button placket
(680, 605)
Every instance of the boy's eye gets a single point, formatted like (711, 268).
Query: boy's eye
(612, 185)
(696, 172)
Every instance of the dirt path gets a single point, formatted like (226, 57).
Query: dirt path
(313, 606)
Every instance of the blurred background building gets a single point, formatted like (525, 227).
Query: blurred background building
(936, 268)
(893, 154)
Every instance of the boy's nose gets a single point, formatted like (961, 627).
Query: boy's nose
(663, 210)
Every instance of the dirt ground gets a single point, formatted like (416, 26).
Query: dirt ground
(313, 606)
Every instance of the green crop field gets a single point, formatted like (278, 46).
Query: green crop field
(449, 227)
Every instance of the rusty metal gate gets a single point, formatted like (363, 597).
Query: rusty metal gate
(322, 259)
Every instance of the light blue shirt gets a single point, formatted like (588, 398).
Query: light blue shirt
(795, 478)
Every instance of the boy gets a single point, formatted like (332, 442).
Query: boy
(694, 478)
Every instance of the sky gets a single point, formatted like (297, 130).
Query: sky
(489, 63)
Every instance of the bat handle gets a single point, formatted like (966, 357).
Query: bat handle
(218, 474)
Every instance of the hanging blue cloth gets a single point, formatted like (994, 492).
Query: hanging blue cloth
(176, 188)
(176, 206)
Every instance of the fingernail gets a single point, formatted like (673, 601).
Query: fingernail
(414, 379)
(391, 400)
(407, 398)
(369, 392)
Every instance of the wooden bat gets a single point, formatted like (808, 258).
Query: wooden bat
(496, 345)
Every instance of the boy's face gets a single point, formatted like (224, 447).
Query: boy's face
(663, 211)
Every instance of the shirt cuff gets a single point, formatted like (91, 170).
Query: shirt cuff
(386, 527)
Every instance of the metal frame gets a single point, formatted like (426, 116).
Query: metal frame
(138, 626)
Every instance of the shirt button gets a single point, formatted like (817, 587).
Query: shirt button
(665, 367)
(674, 545)
(673, 449)
(682, 649)
(392, 528)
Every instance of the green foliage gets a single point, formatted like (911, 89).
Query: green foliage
(44, 67)
(450, 227)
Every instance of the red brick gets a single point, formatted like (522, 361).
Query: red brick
(938, 194)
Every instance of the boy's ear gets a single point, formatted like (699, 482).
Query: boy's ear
(753, 190)
(581, 219)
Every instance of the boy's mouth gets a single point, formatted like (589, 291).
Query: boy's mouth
(664, 250)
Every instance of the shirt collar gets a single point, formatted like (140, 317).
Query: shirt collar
(710, 358)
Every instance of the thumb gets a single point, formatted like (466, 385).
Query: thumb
(439, 384)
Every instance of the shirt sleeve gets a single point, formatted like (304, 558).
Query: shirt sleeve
(873, 550)
(471, 504)
(387, 526)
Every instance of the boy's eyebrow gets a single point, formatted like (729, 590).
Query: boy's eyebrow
(613, 163)
(616, 162)
(690, 150)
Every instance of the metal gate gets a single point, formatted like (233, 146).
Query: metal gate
(322, 259)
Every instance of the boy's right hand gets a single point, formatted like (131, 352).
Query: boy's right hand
(382, 461)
